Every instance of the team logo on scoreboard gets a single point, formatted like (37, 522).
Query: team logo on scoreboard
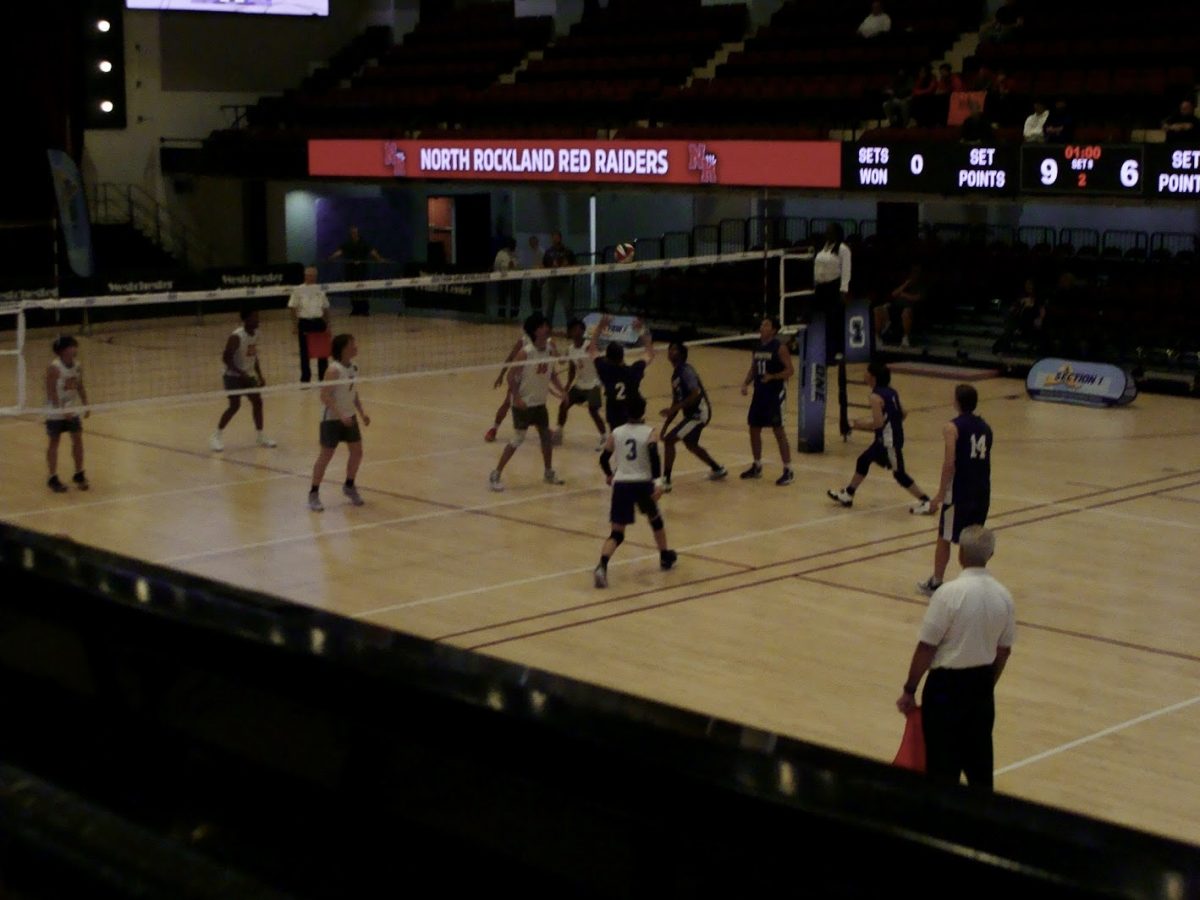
(395, 159)
(700, 160)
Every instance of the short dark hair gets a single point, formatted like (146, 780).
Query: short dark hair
(636, 406)
(881, 373)
(246, 312)
(966, 397)
(533, 322)
(339, 345)
(614, 353)
(62, 342)
(571, 324)
(681, 349)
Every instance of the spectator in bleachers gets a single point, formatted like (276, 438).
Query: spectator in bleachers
(1005, 25)
(947, 82)
(1026, 319)
(876, 23)
(533, 260)
(558, 255)
(897, 100)
(1183, 127)
(921, 106)
(975, 127)
(1035, 123)
(357, 253)
(1060, 126)
(999, 101)
(897, 313)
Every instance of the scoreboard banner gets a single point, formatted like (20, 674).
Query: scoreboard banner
(799, 164)
(923, 168)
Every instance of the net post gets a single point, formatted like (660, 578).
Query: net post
(813, 387)
(843, 399)
(21, 388)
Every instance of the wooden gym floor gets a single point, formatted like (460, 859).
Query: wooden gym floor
(785, 612)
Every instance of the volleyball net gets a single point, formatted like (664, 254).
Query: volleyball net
(155, 348)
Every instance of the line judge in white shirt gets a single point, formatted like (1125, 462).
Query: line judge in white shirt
(831, 288)
(964, 643)
(310, 304)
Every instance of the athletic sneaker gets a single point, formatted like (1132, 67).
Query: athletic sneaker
(490, 434)
(352, 493)
(551, 477)
(264, 441)
(787, 477)
(556, 437)
(494, 481)
(755, 471)
(314, 502)
(843, 497)
(81, 481)
(921, 509)
(928, 586)
(718, 473)
(904, 342)
(57, 486)
(667, 558)
(600, 577)
(666, 485)
(215, 443)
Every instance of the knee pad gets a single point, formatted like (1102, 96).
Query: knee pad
(903, 479)
(517, 439)
(617, 537)
(657, 523)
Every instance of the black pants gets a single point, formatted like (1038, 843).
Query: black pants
(827, 298)
(508, 299)
(957, 711)
(306, 327)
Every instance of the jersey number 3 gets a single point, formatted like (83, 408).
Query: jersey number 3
(979, 446)
(632, 445)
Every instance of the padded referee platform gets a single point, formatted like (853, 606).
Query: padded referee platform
(937, 370)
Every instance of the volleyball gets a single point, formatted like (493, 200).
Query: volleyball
(623, 253)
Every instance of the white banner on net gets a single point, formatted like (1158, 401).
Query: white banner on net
(417, 281)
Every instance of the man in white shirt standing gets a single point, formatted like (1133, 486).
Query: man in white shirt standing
(310, 305)
(964, 643)
(877, 23)
(1035, 123)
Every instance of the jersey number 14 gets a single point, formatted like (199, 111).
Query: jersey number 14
(979, 446)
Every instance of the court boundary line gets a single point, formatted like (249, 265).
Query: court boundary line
(1097, 735)
(776, 578)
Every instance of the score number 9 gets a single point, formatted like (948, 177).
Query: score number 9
(1049, 171)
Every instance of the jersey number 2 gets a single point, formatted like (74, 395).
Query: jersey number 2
(619, 390)
(979, 446)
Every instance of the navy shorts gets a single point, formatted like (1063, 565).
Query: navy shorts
(956, 517)
(56, 427)
(687, 431)
(766, 410)
(579, 396)
(630, 494)
(531, 416)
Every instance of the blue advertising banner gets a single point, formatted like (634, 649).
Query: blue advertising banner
(72, 212)
(1083, 383)
(814, 386)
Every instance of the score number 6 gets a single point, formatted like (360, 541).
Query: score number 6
(1130, 176)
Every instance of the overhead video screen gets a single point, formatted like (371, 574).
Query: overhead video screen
(249, 7)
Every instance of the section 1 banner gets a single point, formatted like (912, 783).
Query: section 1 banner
(814, 164)
(1084, 383)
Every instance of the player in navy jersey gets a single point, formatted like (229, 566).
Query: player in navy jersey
(636, 482)
(688, 397)
(622, 381)
(887, 450)
(966, 486)
(770, 371)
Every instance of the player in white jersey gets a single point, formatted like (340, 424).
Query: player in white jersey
(502, 378)
(583, 383)
(242, 372)
(64, 394)
(636, 482)
(339, 422)
(529, 382)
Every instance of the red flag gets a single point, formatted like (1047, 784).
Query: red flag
(911, 754)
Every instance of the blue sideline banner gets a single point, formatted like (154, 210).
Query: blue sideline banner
(1083, 383)
(72, 212)
(858, 331)
(814, 386)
